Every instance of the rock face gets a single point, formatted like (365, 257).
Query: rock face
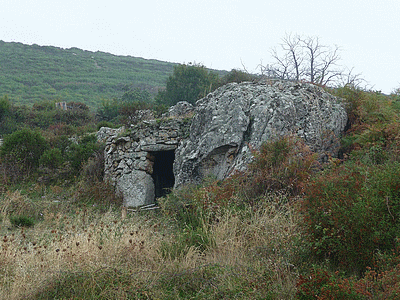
(178, 149)
(235, 116)
(179, 110)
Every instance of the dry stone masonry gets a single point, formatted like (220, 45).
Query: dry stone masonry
(178, 150)
(139, 160)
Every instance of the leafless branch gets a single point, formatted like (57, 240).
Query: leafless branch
(306, 58)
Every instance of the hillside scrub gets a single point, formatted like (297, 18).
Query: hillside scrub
(288, 228)
(32, 73)
(351, 209)
(45, 114)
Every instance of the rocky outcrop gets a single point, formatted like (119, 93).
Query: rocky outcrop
(106, 133)
(180, 110)
(237, 116)
(215, 139)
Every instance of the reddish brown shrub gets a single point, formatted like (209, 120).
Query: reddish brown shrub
(323, 285)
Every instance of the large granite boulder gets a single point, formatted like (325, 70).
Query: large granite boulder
(236, 116)
(216, 136)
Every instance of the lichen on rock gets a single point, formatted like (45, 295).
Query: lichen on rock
(235, 116)
(215, 137)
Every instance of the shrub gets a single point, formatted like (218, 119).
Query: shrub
(79, 153)
(381, 285)
(236, 76)
(108, 111)
(24, 148)
(22, 221)
(323, 285)
(192, 219)
(93, 169)
(180, 205)
(373, 120)
(353, 98)
(51, 158)
(5, 108)
(283, 164)
(105, 124)
(189, 238)
(188, 83)
(128, 112)
(351, 212)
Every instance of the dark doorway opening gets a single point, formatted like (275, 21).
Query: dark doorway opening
(163, 175)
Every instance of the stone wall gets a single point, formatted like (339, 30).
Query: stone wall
(130, 155)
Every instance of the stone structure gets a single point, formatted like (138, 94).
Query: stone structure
(140, 160)
(178, 149)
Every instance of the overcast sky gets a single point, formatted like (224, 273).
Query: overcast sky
(221, 34)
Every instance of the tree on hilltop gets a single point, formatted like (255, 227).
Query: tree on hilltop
(187, 83)
(306, 58)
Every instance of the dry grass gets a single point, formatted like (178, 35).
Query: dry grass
(108, 257)
(33, 258)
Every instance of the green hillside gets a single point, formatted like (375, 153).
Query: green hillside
(32, 73)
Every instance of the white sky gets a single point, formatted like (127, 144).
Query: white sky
(221, 34)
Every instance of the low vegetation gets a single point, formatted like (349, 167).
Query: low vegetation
(290, 227)
(32, 73)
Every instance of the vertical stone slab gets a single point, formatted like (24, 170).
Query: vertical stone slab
(137, 188)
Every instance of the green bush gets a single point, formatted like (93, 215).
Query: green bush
(5, 108)
(196, 237)
(24, 148)
(236, 76)
(108, 110)
(353, 98)
(188, 83)
(351, 212)
(22, 221)
(128, 112)
(373, 120)
(105, 124)
(182, 206)
(192, 219)
(93, 169)
(79, 153)
(51, 158)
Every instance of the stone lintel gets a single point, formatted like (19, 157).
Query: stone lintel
(158, 147)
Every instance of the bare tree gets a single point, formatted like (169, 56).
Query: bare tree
(321, 62)
(289, 64)
(305, 58)
(351, 79)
